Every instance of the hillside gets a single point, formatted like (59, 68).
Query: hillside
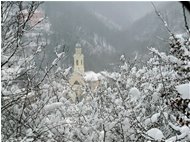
(102, 38)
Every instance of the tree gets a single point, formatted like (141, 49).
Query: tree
(22, 80)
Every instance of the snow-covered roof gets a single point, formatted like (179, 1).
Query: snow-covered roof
(92, 76)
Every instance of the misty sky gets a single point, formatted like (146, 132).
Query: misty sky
(135, 9)
(95, 25)
(123, 12)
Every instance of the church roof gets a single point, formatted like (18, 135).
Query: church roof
(92, 76)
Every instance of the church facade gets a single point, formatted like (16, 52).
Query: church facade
(79, 77)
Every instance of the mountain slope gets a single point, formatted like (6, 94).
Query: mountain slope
(73, 23)
(102, 39)
(150, 30)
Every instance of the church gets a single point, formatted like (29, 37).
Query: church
(79, 77)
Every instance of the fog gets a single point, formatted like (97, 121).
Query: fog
(106, 30)
(121, 11)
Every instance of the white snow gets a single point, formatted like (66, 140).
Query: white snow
(154, 117)
(122, 58)
(125, 66)
(67, 71)
(184, 90)
(92, 76)
(109, 75)
(155, 97)
(118, 101)
(155, 133)
(58, 69)
(53, 106)
(39, 49)
(185, 133)
(54, 61)
(29, 132)
(127, 124)
(134, 93)
(101, 135)
(60, 54)
(173, 59)
(147, 121)
(110, 125)
(185, 129)
(166, 115)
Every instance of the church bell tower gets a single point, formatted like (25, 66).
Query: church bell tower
(78, 71)
(78, 61)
